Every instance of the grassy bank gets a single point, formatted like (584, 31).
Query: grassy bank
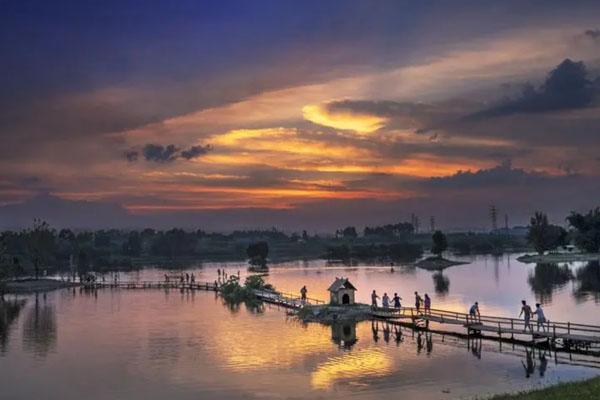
(586, 390)
(557, 258)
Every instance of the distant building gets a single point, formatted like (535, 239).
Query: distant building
(341, 292)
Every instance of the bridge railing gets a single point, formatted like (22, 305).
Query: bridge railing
(287, 297)
(506, 324)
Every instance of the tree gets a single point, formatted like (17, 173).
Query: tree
(258, 253)
(401, 229)
(66, 235)
(440, 243)
(102, 239)
(587, 229)
(41, 244)
(4, 269)
(133, 244)
(174, 243)
(544, 236)
(349, 232)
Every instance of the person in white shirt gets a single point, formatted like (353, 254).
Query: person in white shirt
(541, 318)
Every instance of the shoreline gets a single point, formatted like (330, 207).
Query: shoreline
(28, 286)
(557, 258)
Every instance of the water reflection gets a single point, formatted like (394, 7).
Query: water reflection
(543, 361)
(344, 334)
(546, 278)
(39, 328)
(441, 283)
(360, 365)
(9, 312)
(171, 344)
(529, 363)
(588, 282)
(424, 342)
(476, 345)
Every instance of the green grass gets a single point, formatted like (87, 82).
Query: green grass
(585, 390)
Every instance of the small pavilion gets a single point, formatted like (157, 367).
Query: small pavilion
(341, 292)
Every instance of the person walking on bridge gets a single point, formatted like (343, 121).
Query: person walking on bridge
(540, 317)
(526, 313)
(374, 298)
(418, 301)
(385, 301)
(474, 312)
(427, 304)
(396, 299)
(303, 294)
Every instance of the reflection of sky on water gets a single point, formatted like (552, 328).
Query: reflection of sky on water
(156, 344)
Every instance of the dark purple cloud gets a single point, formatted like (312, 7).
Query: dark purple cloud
(165, 154)
(159, 153)
(566, 87)
(195, 151)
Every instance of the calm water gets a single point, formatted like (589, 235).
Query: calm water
(153, 344)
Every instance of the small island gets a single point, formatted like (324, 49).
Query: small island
(341, 307)
(436, 263)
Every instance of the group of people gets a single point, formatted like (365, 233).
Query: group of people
(420, 302)
(526, 312)
(183, 278)
(423, 304)
(223, 274)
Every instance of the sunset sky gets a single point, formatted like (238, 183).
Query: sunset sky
(301, 114)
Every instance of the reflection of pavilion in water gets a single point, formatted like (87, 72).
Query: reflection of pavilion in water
(344, 334)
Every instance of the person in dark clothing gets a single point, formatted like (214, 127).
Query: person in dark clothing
(396, 299)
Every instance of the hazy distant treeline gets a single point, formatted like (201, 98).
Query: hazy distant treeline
(42, 248)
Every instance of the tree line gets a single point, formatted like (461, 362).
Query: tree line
(584, 232)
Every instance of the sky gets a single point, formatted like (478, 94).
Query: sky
(299, 115)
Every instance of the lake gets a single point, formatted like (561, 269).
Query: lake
(156, 344)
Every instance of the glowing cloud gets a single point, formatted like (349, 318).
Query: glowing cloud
(360, 123)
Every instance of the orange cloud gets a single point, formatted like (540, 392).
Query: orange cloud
(360, 123)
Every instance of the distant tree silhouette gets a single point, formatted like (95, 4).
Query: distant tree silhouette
(133, 245)
(102, 239)
(41, 244)
(349, 232)
(544, 236)
(440, 243)
(258, 253)
(390, 230)
(587, 229)
(174, 243)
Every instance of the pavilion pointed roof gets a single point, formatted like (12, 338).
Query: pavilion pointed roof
(341, 283)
